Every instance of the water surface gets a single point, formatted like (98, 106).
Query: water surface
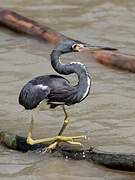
(107, 116)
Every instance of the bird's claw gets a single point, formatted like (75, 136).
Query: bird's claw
(54, 141)
(51, 147)
(69, 140)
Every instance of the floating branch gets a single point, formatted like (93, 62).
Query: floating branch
(119, 161)
(21, 24)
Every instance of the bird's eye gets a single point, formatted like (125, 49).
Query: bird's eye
(74, 46)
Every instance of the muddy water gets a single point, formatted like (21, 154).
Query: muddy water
(107, 116)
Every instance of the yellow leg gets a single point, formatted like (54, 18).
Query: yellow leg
(71, 140)
(66, 121)
(53, 141)
(47, 141)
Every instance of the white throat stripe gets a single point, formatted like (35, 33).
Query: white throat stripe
(88, 87)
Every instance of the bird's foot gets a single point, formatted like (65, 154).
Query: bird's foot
(54, 141)
(66, 139)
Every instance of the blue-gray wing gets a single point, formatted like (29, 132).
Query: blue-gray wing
(31, 95)
(65, 95)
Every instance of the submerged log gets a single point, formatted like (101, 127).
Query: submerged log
(21, 24)
(119, 161)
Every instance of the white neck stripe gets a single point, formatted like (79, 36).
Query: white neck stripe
(88, 87)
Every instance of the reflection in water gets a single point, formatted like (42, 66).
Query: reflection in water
(106, 116)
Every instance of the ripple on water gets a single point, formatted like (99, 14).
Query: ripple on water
(11, 76)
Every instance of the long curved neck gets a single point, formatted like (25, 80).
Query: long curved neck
(84, 83)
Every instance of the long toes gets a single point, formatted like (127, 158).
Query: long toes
(51, 147)
(78, 137)
(69, 138)
(75, 143)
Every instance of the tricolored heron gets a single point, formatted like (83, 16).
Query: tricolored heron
(55, 90)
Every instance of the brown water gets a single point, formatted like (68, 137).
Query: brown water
(107, 116)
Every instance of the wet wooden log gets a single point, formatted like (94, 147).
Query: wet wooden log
(119, 161)
(19, 23)
(116, 60)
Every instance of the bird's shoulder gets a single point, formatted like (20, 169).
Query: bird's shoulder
(51, 81)
(47, 78)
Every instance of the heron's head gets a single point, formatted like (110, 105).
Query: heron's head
(68, 46)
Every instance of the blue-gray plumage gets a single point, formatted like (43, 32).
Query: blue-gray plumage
(56, 90)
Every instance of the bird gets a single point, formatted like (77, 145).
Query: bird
(55, 90)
